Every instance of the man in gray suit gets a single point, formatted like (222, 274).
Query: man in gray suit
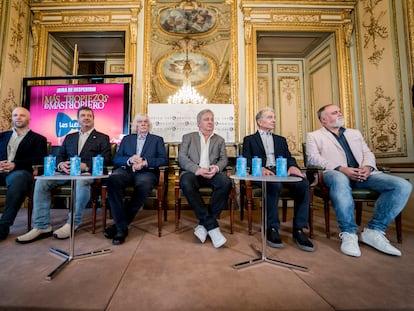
(203, 156)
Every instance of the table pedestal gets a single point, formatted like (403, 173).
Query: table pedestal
(71, 255)
(262, 253)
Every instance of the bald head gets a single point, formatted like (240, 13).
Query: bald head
(20, 118)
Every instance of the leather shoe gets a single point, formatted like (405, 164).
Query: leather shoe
(110, 232)
(119, 237)
(302, 241)
(273, 238)
(4, 231)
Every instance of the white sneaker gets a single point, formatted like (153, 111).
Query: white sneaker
(377, 239)
(63, 232)
(217, 237)
(201, 233)
(34, 235)
(349, 244)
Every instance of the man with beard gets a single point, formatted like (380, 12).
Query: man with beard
(349, 163)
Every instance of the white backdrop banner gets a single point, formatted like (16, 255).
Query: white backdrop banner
(173, 121)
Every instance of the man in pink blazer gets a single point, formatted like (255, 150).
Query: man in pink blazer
(348, 162)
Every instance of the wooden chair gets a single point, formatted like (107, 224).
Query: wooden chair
(158, 195)
(206, 192)
(361, 196)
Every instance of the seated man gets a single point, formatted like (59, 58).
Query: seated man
(268, 147)
(20, 148)
(86, 143)
(203, 156)
(348, 163)
(137, 162)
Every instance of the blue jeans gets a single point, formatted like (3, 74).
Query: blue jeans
(18, 185)
(42, 199)
(394, 194)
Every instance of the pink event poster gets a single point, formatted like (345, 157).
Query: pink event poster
(53, 109)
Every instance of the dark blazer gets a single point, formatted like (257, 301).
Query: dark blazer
(189, 153)
(253, 146)
(153, 151)
(31, 151)
(97, 143)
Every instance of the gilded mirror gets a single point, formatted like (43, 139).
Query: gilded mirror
(201, 34)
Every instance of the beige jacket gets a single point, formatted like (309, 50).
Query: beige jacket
(323, 150)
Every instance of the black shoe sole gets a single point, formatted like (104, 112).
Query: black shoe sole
(274, 245)
(305, 248)
(56, 237)
(39, 237)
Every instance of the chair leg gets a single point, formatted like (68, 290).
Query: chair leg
(398, 227)
(93, 216)
(104, 208)
(311, 213)
(160, 212)
(177, 213)
(29, 214)
(327, 221)
(358, 212)
(284, 209)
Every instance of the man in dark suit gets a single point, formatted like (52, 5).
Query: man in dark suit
(20, 148)
(268, 147)
(203, 156)
(137, 162)
(86, 143)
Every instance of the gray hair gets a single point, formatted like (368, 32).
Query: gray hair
(261, 112)
(322, 109)
(201, 113)
(140, 117)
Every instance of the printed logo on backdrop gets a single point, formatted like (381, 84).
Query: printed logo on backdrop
(173, 121)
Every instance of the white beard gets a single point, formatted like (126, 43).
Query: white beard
(338, 123)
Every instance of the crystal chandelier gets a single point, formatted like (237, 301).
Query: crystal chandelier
(187, 94)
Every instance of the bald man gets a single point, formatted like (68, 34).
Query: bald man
(20, 149)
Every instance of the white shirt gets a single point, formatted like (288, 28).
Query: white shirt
(204, 152)
(14, 143)
(82, 139)
(267, 139)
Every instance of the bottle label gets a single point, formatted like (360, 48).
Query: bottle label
(241, 167)
(97, 166)
(49, 164)
(257, 167)
(75, 169)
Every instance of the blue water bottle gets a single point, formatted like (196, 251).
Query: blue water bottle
(75, 169)
(256, 166)
(97, 165)
(281, 166)
(49, 164)
(241, 166)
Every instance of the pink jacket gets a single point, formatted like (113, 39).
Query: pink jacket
(323, 150)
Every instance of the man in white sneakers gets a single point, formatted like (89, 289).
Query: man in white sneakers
(348, 163)
(203, 156)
